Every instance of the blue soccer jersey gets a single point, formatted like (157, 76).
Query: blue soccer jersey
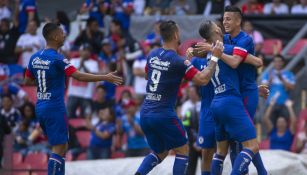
(49, 69)
(165, 72)
(26, 6)
(244, 45)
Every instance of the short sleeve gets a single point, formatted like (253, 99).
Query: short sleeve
(111, 129)
(290, 77)
(28, 74)
(20, 42)
(189, 69)
(30, 6)
(243, 47)
(66, 66)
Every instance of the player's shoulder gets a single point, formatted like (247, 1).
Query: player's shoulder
(245, 36)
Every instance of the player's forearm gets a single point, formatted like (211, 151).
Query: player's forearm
(207, 73)
(253, 60)
(87, 77)
(232, 61)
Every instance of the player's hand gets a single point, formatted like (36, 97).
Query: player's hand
(203, 47)
(113, 78)
(189, 53)
(218, 49)
(263, 91)
(289, 103)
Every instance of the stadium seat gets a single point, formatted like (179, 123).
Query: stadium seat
(117, 154)
(264, 144)
(22, 166)
(39, 173)
(82, 156)
(77, 123)
(17, 158)
(35, 158)
(120, 89)
(31, 92)
(186, 44)
(299, 45)
(268, 47)
(83, 138)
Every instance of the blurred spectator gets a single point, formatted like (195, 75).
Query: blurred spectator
(300, 8)
(124, 99)
(121, 10)
(21, 136)
(81, 93)
(255, 34)
(62, 18)
(37, 142)
(282, 132)
(11, 114)
(154, 37)
(139, 76)
(8, 38)
(139, 6)
(73, 143)
(4, 10)
(97, 9)
(102, 134)
(28, 115)
(216, 6)
(27, 13)
(301, 142)
(106, 54)
(252, 7)
(190, 115)
(91, 35)
(158, 7)
(136, 144)
(183, 7)
(276, 7)
(279, 81)
(18, 95)
(4, 130)
(29, 43)
(99, 103)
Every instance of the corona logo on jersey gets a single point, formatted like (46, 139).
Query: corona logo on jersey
(40, 64)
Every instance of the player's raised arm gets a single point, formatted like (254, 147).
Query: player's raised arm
(87, 77)
(203, 77)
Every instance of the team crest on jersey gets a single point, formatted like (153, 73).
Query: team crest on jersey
(200, 140)
(66, 61)
(40, 64)
(187, 62)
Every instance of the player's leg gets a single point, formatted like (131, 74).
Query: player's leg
(207, 156)
(155, 142)
(181, 160)
(219, 157)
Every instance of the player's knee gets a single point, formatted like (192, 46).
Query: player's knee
(60, 149)
(162, 155)
(183, 150)
(207, 154)
(251, 145)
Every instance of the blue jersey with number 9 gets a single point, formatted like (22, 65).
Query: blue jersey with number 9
(49, 69)
(165, 71)
(225, 79)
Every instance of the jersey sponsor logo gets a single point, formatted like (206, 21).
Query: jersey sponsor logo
(156, 63)
(154, 97)
(40, 64)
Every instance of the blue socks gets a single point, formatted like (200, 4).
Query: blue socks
(149, 162)
(180, 165)
(242, 161)
(235, 148)
(257, 161)
(217, 164)
(205, 173)
(56, 165)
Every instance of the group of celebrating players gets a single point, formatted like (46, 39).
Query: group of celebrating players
(223, 65)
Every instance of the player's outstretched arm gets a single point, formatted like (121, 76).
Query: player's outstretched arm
(253, 60)
(267, 116)
(87, 77)
(203, 77)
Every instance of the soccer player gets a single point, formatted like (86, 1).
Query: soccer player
(159, 122)
(232, 123)
(48, 69)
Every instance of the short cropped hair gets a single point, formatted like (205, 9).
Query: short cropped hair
(49, 28)
(205, 30)
(168, 29)
(235, 9)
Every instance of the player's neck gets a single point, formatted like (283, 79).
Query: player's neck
(52, 46)
(169, 46)
(235, 33)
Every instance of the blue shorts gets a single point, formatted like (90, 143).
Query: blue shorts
(54, 124)
(250, 101)
(206, 132)
(232, 120)
(163, 132)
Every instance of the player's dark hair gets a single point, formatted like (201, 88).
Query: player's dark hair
(117, 22)
(168, 29)
(205, 30)
(234, 9)
(30, 105)
(281, 57)
(48, 29)
(101, 87)
(9, 96)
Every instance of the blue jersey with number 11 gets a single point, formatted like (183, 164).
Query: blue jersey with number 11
(49, 69)
(165, 71)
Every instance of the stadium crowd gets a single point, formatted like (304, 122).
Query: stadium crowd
(104, 120)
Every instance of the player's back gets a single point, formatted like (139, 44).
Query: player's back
(225, 79)
(247, 72)
(48, 68)
(165, 72)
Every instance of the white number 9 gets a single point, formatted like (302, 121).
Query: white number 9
(155, 78)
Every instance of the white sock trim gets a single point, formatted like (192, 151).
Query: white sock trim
(243, 152)
(55, 160)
